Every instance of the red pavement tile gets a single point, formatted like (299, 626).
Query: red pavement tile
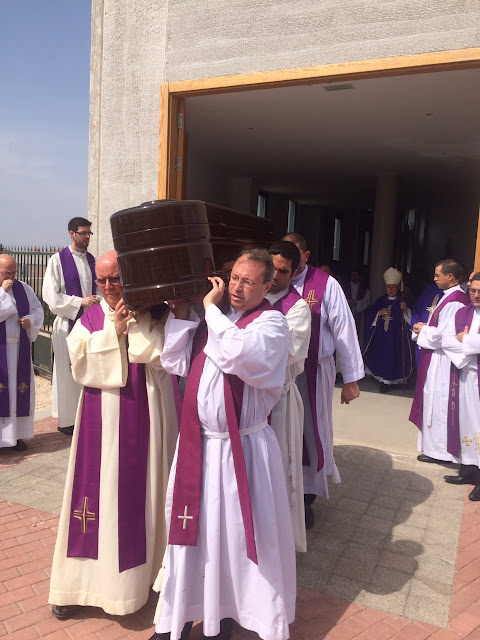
(7, 562)
(113, 632)
(446, 634)
(27, 620)
(465, 623)
(57, 635)
(22, 581)
(9, 611)
(475, 635)
(413, 632)
(23, 634)
(24, 548)
(312, 628)
(34, 602)
(51, 624)
(458, 605)
(380, 631)
(470, 592)
(88, 627)
(370, 617)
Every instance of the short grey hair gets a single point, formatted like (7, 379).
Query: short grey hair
(260, 256)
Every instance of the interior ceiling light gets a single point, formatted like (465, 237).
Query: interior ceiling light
(339, 87)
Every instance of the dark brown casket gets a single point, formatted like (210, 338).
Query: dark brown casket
(167, 248)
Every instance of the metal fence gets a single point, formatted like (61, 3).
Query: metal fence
(31, 266)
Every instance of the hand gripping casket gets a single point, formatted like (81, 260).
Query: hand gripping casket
(167, 248)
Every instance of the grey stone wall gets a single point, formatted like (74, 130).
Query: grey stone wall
(209, 38)
(127, 68)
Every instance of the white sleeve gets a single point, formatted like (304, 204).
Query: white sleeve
(177, 349)
(431, 337)
(7, 305)
(35, 315)
(344, 331)
(471, 344)
(99, 359)
(452, 347)
(363, 303)
(299, 320)
(60, 303)
(257, 354)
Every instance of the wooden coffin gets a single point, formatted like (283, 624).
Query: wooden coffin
(167, 248)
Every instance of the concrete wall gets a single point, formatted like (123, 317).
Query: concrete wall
(138, 44)
(127, 68)
(227, 37)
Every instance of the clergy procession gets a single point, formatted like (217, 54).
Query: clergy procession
(201, 427)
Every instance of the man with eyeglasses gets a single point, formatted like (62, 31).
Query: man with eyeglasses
(21, 318)
(231, 552)
(68, 288)
(461, 343)
(111, 535)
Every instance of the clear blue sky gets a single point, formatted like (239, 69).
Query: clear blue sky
(44, 106)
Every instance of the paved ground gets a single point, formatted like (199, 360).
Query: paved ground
(395, 553)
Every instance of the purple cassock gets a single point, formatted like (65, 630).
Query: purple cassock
(134, 434)
(384, 354)
(24, 362)
(427, 301)
(72, 279)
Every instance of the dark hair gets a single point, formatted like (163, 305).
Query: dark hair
(287, 250)
(451, 266)
(476, 276)
(262, 257)
(78, 222)
(297, 240)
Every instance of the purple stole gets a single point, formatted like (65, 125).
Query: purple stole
(24, 361)
(188, 474)
(362, 290)
(72, 279)
(463, 318)
(289, 299)
(313, 292)
(134, 434)
(416, 413)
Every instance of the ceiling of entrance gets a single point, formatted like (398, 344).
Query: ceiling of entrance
(310, 142)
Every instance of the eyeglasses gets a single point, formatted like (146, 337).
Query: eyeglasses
(8, 273)
(84, 234)
(474, 292)
(103, 281)
(243, 282)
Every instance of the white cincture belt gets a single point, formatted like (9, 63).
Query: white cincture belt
(223, 435)
(12, 340)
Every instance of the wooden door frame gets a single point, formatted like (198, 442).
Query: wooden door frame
(171, 185)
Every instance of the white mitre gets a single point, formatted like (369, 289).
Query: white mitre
(392, 276)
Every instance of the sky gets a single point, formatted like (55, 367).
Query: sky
(44, 107)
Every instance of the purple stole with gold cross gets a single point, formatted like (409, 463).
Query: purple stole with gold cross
(416, 412)
(134, 435)
(71, 278)
(24, 361)
(463, 318)
(313, 291)
(188, 474)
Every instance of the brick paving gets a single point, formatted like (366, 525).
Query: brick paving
(27, 538)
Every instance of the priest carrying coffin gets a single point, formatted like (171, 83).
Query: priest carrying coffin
(387, 354)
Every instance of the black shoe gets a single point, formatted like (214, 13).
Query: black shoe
(475, 494)
(68, 431)
(20, 446)
(309, 517)
(166, 636)
(65, 612)
(383, 388)
(226, 627)
(424, 458)
(460, 479)
(160, 636)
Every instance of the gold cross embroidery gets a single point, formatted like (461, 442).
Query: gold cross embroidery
(387, 318)
(185, 517)
(310, 299)
(2, 387)
(84, 515)
(22, 387)
(467, 441)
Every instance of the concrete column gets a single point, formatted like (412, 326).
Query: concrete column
(383, 231)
